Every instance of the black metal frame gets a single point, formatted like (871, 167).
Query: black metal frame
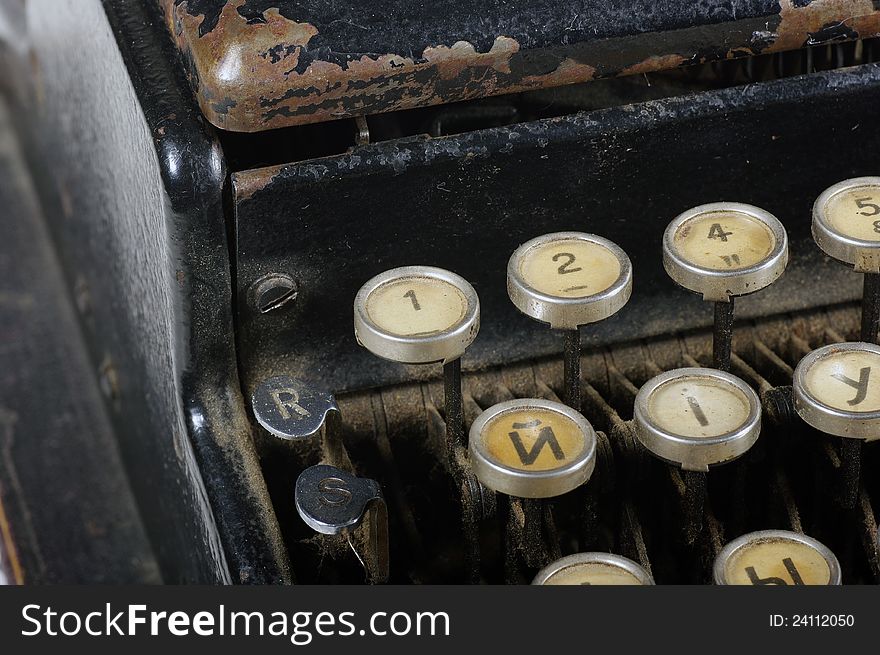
(201, 493)
(465, 202)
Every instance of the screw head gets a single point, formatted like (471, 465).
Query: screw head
(272, 292)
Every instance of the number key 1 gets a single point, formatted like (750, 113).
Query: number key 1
(416, 315)
(421, 315)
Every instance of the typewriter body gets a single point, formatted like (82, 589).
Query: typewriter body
(222, 177)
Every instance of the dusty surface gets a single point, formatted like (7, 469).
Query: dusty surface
(262, 64)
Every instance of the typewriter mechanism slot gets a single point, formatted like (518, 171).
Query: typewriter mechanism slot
(633, 504)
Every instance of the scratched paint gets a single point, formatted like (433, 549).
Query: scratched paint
(263, 64)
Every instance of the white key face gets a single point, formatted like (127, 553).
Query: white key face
(696, 406)
(855, 213)
(724, 241)
(593, 573)
(847, 380)
(570, 268)
(416, 307)
(777, 561)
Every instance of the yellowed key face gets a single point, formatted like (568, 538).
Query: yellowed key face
(855, 213)
(724, 241)
(416, 307)
(847, 380)
(592, 573)
(698, 407)
(533, 440)
(570, 268)
(532, 448)
(777, 561)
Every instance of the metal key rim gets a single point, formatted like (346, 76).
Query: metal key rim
(695, 453)
(862, 255)
(608, 559)
(720, 576)
(443, 346)
(562, 312)
(823, 417)
(531, 484)
(717, 284)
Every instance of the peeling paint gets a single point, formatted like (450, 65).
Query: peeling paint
(259, 64)
(803, 24)
(247, 183)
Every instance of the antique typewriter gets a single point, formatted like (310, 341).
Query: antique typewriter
(444, 292)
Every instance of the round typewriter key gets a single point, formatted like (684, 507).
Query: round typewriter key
(593, 569)
(846, 223)
(569, 279)
(776, 557)
(722, 250)
(725, 249)
(697, 417)
(846, 226)
(417, 315)
(837, 390)
(420, 315)
(532, 448)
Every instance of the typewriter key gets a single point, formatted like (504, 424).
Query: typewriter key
(420, 315)
(290, 409)
(837, 390)
(569, 279)
(593, 569)
(697, 417)
(723, 250)
(332, 501)
(532, 448)
(417, 315)
(846, 226)
(776, 557)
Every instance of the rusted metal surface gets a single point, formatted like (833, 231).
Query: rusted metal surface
(262, 64)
